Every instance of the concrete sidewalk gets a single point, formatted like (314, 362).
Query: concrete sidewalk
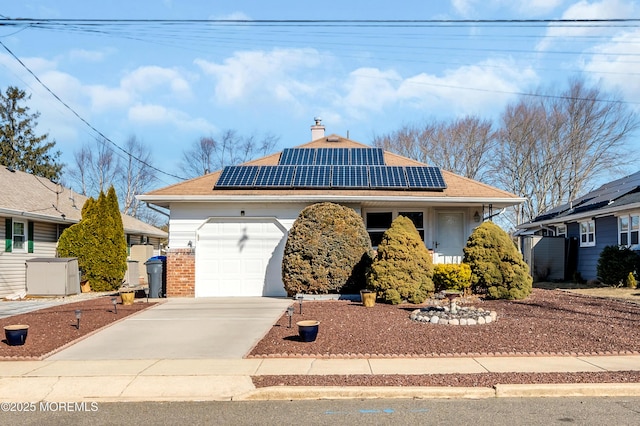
(230, 379)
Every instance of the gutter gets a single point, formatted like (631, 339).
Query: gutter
(41, 217)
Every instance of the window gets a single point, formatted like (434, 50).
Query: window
(628, 230)
(19, 236)
(561, 231)
(587, 233)
(379, 222)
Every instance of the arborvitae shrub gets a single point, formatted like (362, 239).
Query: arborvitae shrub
(497, 267)
(99, 243)
(615, 263)
(456, 277)
(403, 268)
(328, 251)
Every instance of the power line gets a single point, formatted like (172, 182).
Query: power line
(85, 121)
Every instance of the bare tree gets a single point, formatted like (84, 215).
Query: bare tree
(209, 154)
(460, 146)
(97, 167)
(552, 146)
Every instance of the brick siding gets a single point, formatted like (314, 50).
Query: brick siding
(181, 273)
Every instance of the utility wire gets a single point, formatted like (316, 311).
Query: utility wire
(85, 121)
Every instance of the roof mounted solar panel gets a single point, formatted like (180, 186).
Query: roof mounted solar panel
(237, 176)
(297, 156)
(349, 177)
(332, 157)
(367, 157)
(275, 176)
(422, 177)
(387, 177)
(312, 177)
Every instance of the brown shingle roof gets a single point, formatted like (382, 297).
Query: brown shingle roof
(457, 186)
(32, 196)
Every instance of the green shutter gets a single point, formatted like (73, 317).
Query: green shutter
(8, 234)
(30, 237)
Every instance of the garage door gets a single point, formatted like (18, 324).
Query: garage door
(240, 257)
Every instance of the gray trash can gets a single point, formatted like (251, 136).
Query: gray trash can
(157, 276)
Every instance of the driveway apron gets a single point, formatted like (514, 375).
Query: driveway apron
(184, 329)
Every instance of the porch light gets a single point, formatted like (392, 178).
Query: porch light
(290, 314)
(78, 313)
(476, 217)
(114, 301)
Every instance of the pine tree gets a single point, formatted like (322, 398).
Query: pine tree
(20, 147)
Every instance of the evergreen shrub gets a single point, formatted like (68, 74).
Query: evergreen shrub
(403, 268)
(615, 263)
(98, 241)
(497, 267)
(328, 251)
(455, 277)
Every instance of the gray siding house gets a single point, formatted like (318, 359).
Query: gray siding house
(33, 213)
(609, 215)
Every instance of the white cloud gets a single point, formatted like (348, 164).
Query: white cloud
(234, 16)
(89, 55)
(605, 9)
(148, 114)
(148, 78)
(272, 74)
(370, 89)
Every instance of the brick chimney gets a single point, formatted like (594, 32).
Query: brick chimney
(317, 130)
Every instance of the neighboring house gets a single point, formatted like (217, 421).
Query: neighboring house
(33, 213)
(580, 229)
(228, 229)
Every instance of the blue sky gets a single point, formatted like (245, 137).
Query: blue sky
(170, 85)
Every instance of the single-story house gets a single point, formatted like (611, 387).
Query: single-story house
(228, 229)
(33, 213)
(575, 233)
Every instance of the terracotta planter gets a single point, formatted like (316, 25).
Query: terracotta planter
(368, 298)
(128, 297)
(16, 334)
(308, 330)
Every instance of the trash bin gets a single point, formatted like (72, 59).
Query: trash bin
(157, 276)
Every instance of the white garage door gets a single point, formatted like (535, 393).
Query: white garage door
(240, 257)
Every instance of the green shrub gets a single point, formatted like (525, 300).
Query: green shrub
(497, 267)
(456, 277)
(615, 263)
(402, 268)
(328, 251)
(99, 243)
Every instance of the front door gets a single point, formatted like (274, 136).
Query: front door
(449, 238)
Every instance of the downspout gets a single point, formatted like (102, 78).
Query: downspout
(491, 216)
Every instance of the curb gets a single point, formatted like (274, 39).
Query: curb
(291, 393)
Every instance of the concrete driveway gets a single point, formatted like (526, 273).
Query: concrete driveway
(184, 329)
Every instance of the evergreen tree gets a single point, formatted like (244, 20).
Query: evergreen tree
(20, 147)
(403, 267)
(98, 241)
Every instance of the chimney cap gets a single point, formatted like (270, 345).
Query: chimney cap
(318, 120)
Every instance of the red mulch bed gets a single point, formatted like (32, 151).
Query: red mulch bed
(54, 328)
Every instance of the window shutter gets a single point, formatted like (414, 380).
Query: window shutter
(8, 234)
(30, 237)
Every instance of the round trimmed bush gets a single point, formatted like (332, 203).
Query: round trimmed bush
(403, 267)
(328, 251)
(497, 267)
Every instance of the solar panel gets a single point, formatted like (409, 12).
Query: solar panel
(237, 176)
(387, 177)
(367, 157)
(424, 177)
(349, 177)
(312, 176)
(275, 176)
(297, 156)
(332, 157)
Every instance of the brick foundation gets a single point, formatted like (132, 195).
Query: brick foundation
(181, 273)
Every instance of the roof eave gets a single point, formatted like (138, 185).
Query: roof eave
(583, 215)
